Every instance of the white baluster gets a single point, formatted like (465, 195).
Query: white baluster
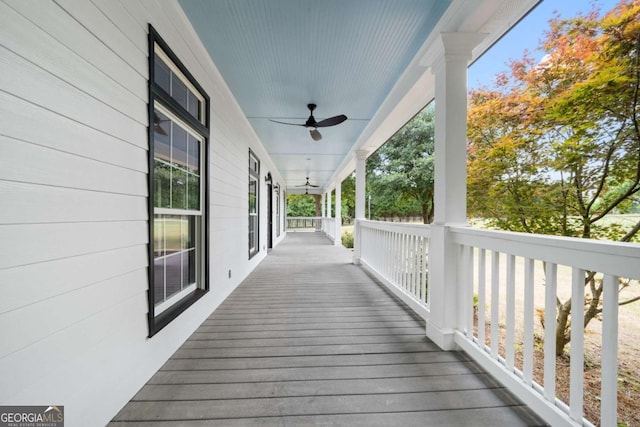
(511, 310)
(577, 345)
(550, 295)
(609, 391)
(529, 319)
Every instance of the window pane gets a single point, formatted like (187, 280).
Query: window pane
(193, 154)
(252, 234)
(173, 236)
(193, 192)
(162, 75)
(161, 136)
(193, 105)
(158, 280)
(174, 273)
(178, 188)
(179, 91)
(179, 146)
(184, 232)
(252, 196)
(158, 236)
(188, 267)
(162, 184)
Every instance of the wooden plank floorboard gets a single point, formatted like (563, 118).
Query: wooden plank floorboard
(303, 333)
(310, 339)
(311, 361)
(490, 417)
(314, 373)
(323, 387)
(315, 405)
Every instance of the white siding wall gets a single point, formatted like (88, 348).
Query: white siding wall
(73, 213)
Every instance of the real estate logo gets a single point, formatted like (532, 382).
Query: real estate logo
(32, 416)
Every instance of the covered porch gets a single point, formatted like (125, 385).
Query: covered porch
(295, 329)
(311, 339)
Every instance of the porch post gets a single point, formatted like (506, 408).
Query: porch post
(450, 192)
(323, 212)
(338, 233)
(361, 182)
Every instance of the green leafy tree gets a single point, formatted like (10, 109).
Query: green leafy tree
(555, 147)
(301, 205)
(400, 173)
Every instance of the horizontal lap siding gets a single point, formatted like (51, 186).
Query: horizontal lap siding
(73, 191)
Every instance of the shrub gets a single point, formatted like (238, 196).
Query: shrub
(347, 239)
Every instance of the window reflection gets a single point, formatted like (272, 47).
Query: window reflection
(175, 262)
(176, 166)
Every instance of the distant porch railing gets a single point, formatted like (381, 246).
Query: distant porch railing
(304, 223)
(498, 274)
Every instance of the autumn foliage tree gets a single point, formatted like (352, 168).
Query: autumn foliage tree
(555, 146)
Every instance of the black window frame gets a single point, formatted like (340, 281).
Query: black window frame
(278, 209)
(254, 174)
(158, 95)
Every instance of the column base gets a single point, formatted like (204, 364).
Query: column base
(443, 338)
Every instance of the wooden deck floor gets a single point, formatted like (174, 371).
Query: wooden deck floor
(310, 339)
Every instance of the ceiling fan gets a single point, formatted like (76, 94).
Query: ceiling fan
(313, 125)
(307, 184)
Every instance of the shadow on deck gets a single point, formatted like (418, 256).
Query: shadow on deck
(310, 339)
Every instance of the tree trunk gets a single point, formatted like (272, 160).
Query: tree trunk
(563, 327)
(563, 318)
(318, 200)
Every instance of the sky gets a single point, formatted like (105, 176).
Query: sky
(527, 35)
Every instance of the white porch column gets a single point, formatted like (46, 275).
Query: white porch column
(361, 182)
(329, 204)
(338, 236)
(323, 204)
(450, 193)
(361, 178)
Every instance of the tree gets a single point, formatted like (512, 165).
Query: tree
(300, 205)
(400, 173)
(555, 147)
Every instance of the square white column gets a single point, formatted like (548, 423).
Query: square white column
(450, 192)
(338, 233)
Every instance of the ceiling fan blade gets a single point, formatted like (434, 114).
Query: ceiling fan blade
(331, 121)
(285, 123)
(315, 135)
(311, 185)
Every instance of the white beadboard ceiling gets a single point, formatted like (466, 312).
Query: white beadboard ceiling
(346, 56)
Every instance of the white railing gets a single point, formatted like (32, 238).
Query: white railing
(505, 282)
(304, 223)
(329, 227)
(397, 255)
(516, 275)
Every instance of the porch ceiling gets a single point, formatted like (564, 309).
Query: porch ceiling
(361, 58)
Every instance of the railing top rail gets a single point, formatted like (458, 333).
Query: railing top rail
(305, 217)
(422, 230)
(616, 258)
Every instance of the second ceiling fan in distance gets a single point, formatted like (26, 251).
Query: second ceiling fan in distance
(307, 185)
(313, 125)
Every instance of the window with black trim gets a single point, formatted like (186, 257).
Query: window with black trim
(278, 220)
(254, 204)
(178, 138)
